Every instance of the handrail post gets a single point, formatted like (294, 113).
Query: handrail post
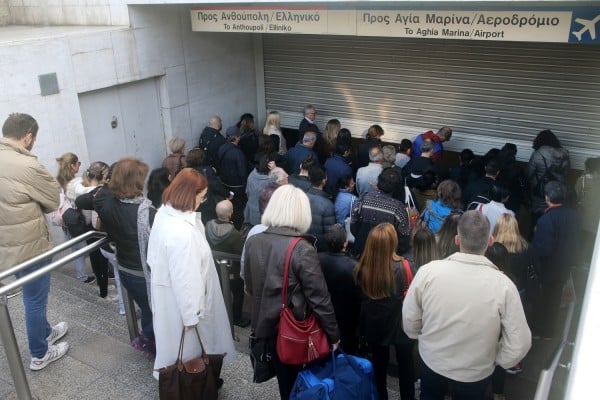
(13, 355)
(130, 314)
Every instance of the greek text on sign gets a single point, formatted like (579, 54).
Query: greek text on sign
(577, 25)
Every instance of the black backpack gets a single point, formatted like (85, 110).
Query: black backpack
(75, 223)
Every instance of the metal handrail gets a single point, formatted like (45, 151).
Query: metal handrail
(7, 332)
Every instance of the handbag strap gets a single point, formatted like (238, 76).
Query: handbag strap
(409, 274)
(286, 267)
(180, 354)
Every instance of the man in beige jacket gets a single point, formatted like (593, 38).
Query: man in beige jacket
(467, 316)
(28, 191)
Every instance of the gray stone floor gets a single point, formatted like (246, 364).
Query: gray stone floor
(102, 365)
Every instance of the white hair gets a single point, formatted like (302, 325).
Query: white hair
(289, 207)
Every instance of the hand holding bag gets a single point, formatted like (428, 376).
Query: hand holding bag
(298, 342)
(193, 379)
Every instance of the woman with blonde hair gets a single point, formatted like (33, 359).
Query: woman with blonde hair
(68, 167)
(331, 130)
(287, 217)
(383, 278)
(273, 127)
(176, 160)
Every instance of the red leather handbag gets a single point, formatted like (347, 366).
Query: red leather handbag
(298, 342)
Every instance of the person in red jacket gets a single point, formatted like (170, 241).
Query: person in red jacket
(443, 135)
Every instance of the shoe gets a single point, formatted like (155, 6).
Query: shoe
(58, 331)
(242, 322)
(145, 345)
(517, 369)
(54, 352)
(90, 279)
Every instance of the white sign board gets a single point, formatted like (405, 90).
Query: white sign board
(577, 25)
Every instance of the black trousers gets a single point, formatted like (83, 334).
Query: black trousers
(435, 386)
(286, 376)
(406, 372)
(100, 268)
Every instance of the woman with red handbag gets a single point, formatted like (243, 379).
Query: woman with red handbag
(383, 278)
(288, 217)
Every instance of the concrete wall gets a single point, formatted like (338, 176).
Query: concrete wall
(68, 12)
(199, 74)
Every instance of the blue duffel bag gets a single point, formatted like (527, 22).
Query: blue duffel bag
(343, 377)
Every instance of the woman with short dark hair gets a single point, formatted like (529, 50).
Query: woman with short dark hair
(185, 285)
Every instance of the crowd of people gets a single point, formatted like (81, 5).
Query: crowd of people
(449, 272)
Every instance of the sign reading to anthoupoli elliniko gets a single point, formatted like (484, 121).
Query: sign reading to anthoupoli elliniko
(575, 25)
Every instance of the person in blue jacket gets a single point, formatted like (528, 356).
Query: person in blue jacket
(448, 200)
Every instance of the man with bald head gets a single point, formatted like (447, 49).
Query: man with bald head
(222, 236)
(467, 316)
(211, 139)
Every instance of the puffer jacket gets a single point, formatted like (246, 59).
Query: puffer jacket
(546, 158)
(28, 191)
(264, 259)
(323, 216)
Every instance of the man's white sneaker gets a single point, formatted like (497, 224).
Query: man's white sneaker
(54, 352)
(58, 331)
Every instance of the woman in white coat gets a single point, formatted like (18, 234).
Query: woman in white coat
(185, 285)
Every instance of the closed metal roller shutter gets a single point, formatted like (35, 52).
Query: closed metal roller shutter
(489, 92)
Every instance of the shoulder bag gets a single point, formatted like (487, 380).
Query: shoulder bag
(298, 342)
(193, 379)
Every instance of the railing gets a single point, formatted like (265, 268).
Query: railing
(7, 333)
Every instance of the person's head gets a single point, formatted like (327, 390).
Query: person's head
(473, 233)
(266, 145)
(317, 177)
(506, 231)
(446, 236)
(466, 157)
(68, 166)
(224, 210)
(427, 148)
(389, 180)
(346, 182)
(374, 268)
(187, 190)
(344, 136)
(127, 178)
(307, 164)
(21, 128)
(233, 134)
(491, 167)
(405, 146)
(343, 148)
(376, 155)
(273, 121)
(246, 123)
(374, 132)
(288, 207)
(445, 133)
(158, 181)
(335, 237)
(389, 154)
(509, 148)
(449, 193)
(556, 192)
(215, 122)
(278, 176)
(332, 128)
(309, 139)
(96, 173)
(176, 145)
(264, 197)
(499, 193)
(546, 138)
(263, 164)
(424, 246)
(499, 256)
(195, 157)
(310, 112)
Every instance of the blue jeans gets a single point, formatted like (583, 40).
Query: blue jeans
(35, 300)
(434, 386)
(136, 288)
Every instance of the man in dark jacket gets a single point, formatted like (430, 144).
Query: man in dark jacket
(338, 270)
(338, 166)
(308, 122)
(298, 153)
(233, 172)
(478, 191)
(379, 206)
(222, 236)
(555, 240)
(321, 208)
(416, 168)
(211, 139)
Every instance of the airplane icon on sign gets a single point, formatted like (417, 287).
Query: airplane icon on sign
(588, 25)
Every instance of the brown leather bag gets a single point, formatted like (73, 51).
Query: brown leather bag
(193, 379)
(298, 342)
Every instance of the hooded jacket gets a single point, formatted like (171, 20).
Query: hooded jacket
(28, 191)
(550, 161)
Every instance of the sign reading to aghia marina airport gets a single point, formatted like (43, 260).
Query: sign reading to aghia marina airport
(576, 25)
